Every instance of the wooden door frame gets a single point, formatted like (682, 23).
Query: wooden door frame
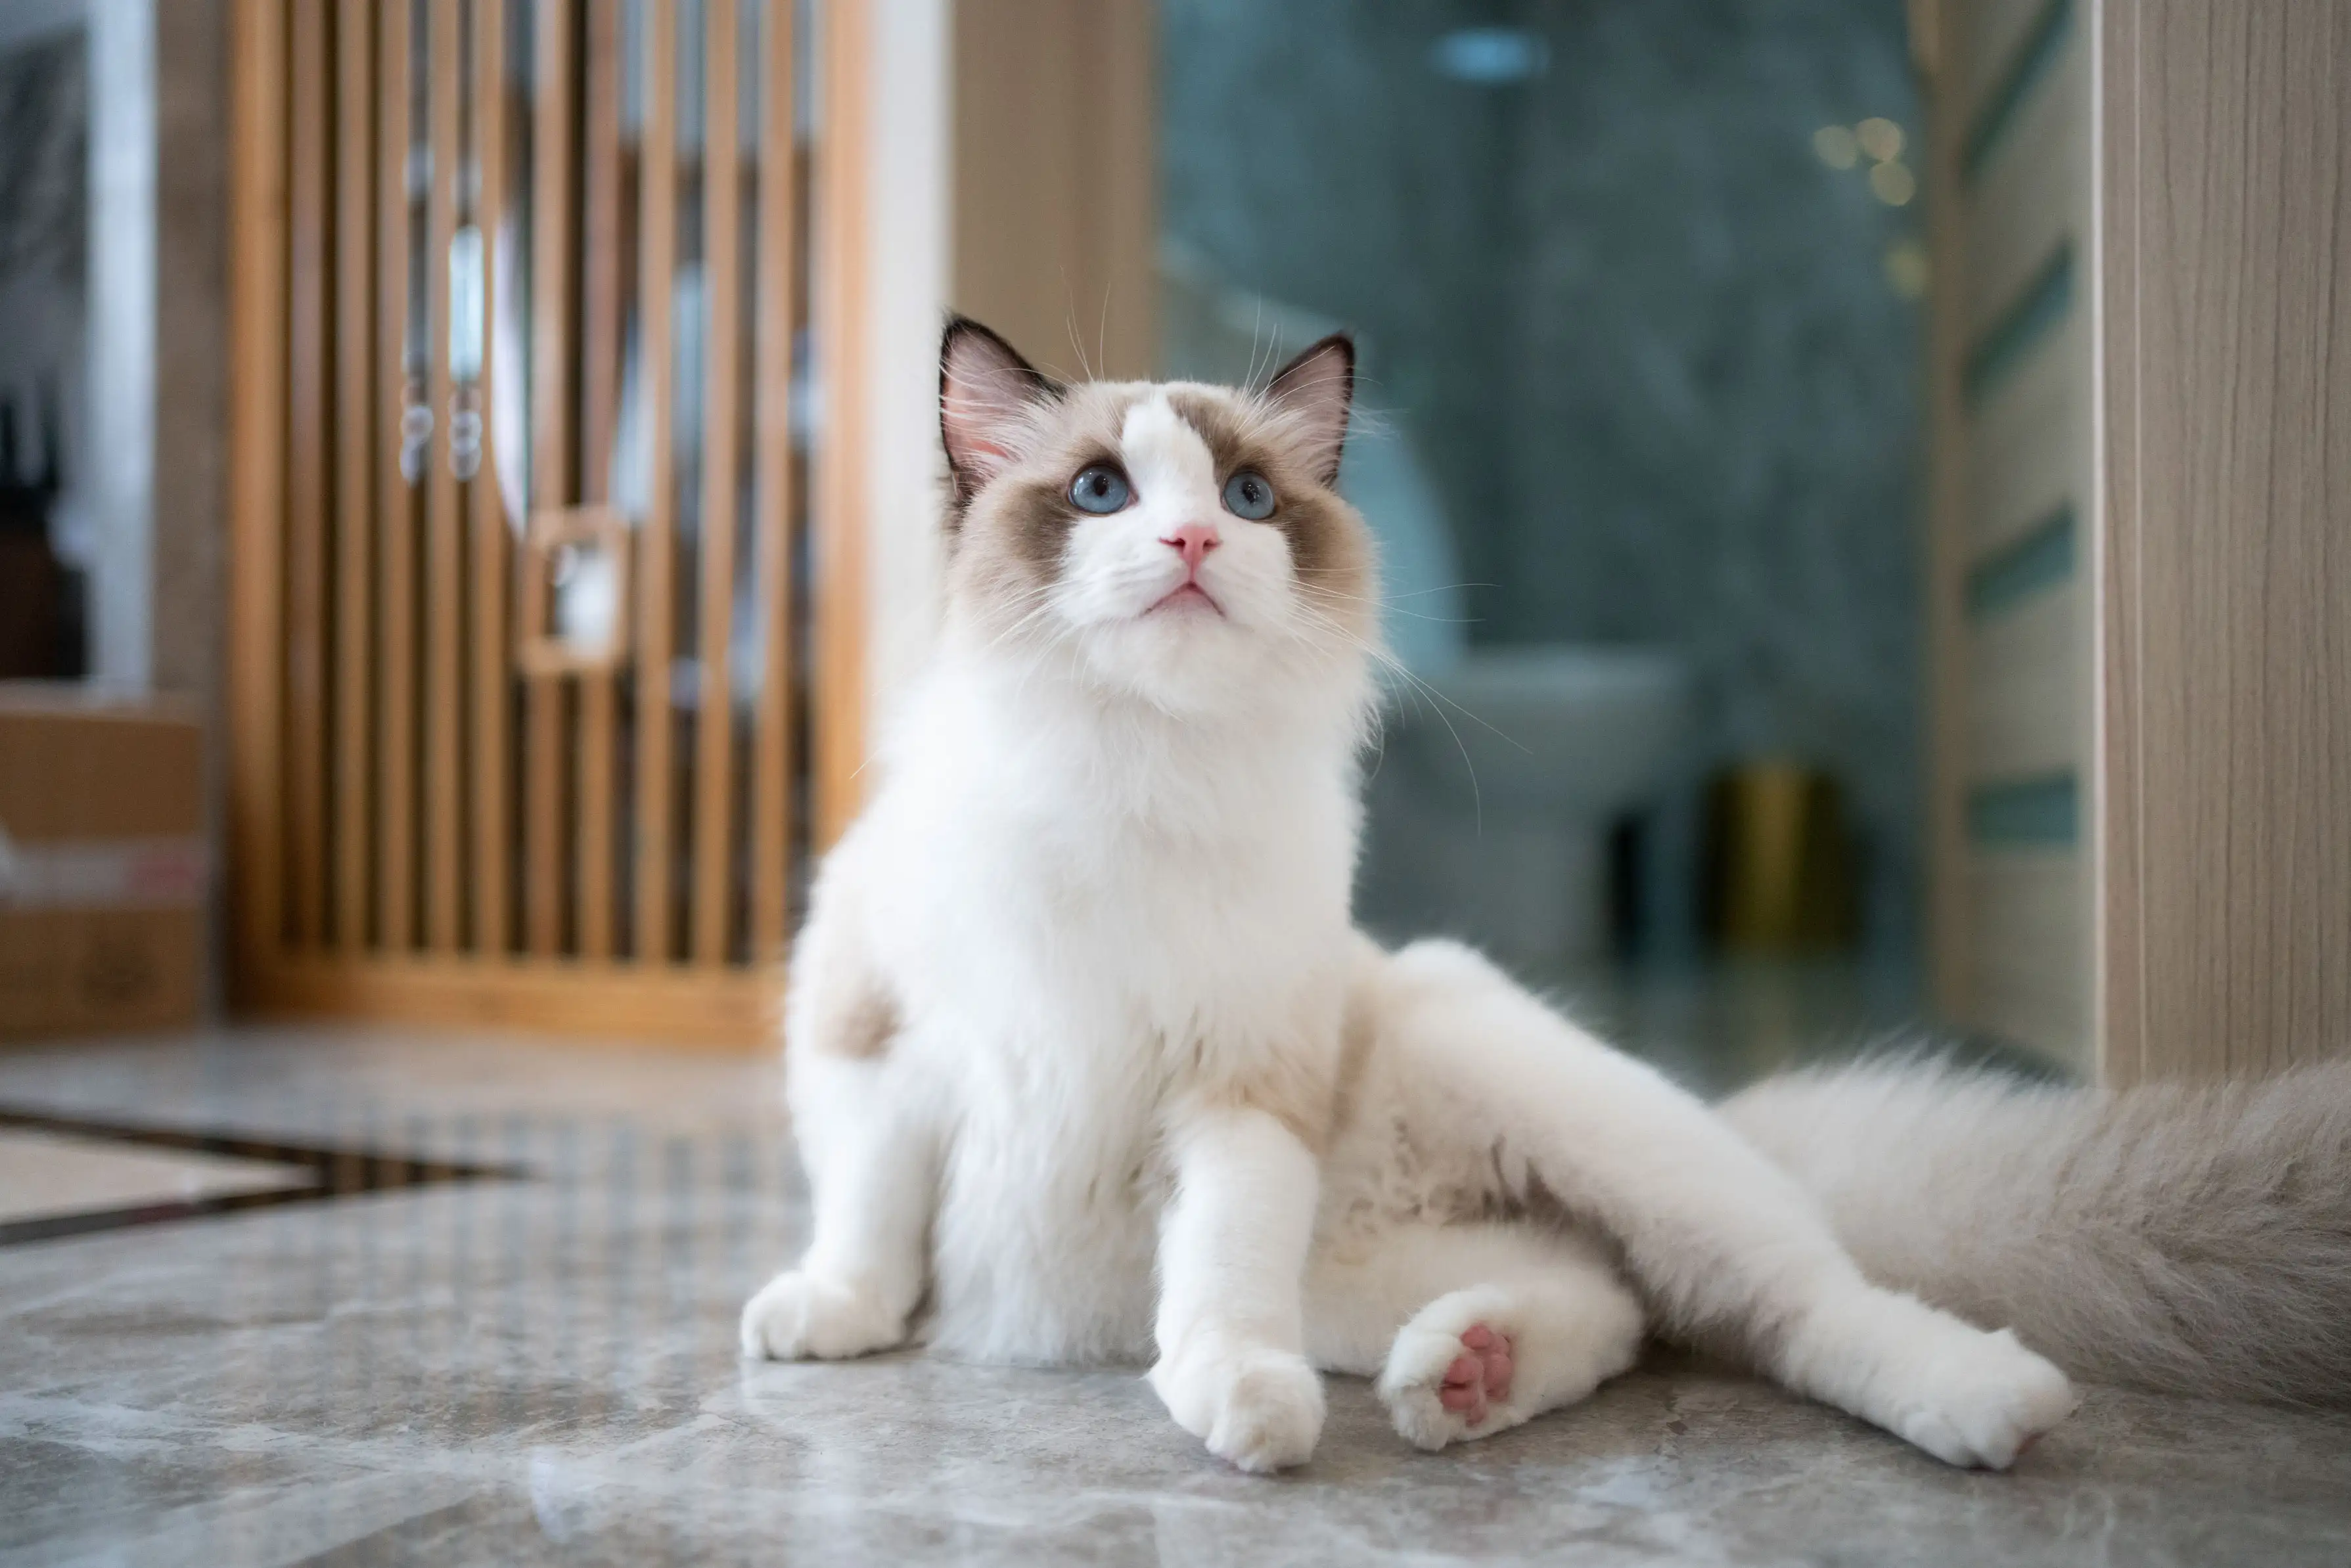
(2214, 769)
(2223, 556)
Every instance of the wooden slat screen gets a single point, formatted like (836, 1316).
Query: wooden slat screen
(503, 263)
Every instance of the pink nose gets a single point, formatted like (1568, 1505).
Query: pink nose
(1192, 541)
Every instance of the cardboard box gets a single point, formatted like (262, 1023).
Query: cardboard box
(103, 866)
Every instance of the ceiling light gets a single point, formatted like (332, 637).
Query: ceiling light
(1490, 57)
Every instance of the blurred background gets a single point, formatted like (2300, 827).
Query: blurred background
(1645, 445)
(499, 431)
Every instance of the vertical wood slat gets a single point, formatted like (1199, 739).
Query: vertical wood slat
(770, 805)
(257, 475)
(309, 448)
(840, 611)
(395, 773)
(553, 259)
(600, 365)
(714, 767)
(355, 496)
(443, 694)
(656, 561)
(493, 539)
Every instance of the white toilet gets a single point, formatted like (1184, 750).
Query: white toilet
(1491, 807)
(1501, 770)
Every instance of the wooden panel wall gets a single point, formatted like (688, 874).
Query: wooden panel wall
(1055, 187)
(2225, 698)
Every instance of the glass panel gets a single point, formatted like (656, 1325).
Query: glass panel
(1638, 297)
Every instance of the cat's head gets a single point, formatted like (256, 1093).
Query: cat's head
(1180, 542)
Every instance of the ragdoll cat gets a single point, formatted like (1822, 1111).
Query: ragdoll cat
(1088, 1063)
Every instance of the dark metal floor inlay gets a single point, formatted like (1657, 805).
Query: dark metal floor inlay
(334, 1173)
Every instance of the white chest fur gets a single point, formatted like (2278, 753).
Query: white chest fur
(1078, 936)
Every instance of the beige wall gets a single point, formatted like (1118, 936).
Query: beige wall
(2225, 690)
(1055, 207)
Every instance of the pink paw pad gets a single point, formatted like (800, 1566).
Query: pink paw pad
(1479, 1374)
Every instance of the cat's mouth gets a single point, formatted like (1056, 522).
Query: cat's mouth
(1189, 595)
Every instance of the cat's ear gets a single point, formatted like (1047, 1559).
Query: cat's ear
(985, 390)
(1317, 389)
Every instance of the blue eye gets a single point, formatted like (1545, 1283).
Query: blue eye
(1247, 495)
(1101, 490)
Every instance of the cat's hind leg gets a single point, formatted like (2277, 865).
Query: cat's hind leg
(1473, 1329)
(1727, 1248)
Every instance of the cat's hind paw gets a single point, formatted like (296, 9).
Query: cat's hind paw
(1441, 1389)
(1447, 1380)
(1491, 1358)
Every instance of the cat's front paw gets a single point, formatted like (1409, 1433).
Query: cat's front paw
(1982, 1400)
(1258, 1409)
(799, 1316)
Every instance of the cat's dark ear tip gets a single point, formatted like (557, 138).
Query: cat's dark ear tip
(961, 328)
(1339, 345)
(973, 346)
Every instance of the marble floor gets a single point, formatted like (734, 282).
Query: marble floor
(537, 1365)
(45, 1172)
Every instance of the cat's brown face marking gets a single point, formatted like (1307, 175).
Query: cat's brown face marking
(1112, 579)
(1024, 516)
(1025, 511)
(1325, 545)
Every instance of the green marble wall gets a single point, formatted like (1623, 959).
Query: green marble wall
(1663, 358)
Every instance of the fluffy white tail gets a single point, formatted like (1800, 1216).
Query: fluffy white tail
(2190, 1239)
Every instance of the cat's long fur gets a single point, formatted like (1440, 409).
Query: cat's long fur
(2188, 1238)
(1087, 1062)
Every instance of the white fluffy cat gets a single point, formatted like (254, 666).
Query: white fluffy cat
(1088, 1063)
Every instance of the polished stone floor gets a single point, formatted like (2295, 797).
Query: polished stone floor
(542, 1369)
